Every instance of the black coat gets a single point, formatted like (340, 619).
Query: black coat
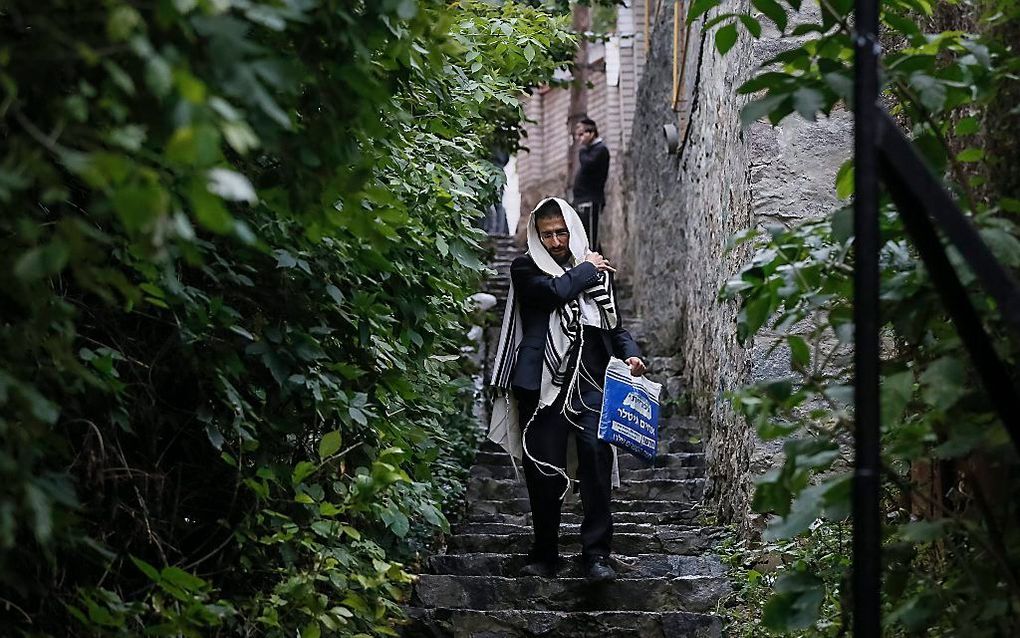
(592, 171)
(538, 294)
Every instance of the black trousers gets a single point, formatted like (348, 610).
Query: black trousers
(547, 438)
(589, 214)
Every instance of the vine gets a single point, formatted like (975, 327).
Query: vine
(237, 243)
(950, 537)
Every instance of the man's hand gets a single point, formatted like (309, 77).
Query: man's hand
(637, 366)
(600, 262)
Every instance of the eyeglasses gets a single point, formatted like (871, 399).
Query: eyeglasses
(558, 234)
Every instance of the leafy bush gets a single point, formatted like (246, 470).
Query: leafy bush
(237, 247)
(951, 539)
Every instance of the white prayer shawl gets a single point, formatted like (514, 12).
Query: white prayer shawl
(595, 307)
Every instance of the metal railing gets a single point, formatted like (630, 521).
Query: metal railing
(882, 154)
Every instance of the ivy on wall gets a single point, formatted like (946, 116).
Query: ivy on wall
(237, 245)
(950, 535)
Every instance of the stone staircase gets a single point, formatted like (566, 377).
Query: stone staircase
(668, 584)
(504, 251)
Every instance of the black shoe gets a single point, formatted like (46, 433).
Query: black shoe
(599, 571)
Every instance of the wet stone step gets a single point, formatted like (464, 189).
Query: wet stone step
(671, 432)
(685, 490)
(676, 473)
(522, 506)
(515, 623)
(639, 566)
(627, 461)
(667, 445)
(677, 517)
(684, 593)
(667, 539)
(512, 528)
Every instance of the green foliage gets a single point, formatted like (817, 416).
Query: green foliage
(238, 243)
(784, 586)
(951, 541)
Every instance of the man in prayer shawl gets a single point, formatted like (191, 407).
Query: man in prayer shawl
(560, 328)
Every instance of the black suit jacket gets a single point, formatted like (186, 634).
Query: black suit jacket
(538, 294)
(592, 171)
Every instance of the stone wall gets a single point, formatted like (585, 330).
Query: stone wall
(670, 235)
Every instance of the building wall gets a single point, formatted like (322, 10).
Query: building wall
(682, 208)
(543, 168)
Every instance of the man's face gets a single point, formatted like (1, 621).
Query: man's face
(583, 135)
(555, 237)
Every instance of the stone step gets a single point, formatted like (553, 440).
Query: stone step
(667, 445)
(676, 473)
(683, 593)
(680, 430)
(573, 504)
(627, 461)
(678, 517)
(470, 623)
(684, 490)
(504, 527)
(639, 566)
(666, 539)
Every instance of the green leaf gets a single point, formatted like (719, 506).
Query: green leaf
(772, 80)
(400, 525)
(967, 126)
(931, 92)
(231, 186)
(194, 146)
(841, 83)
(773, 11)
(465, 255)
(904, 25)
(335, 294)
(771, 494)
(209, 209)
(796, 603)
(42, 261)
(139, 205)
(329, 444)
(158, 76)
(970, 155)
(845, 181)
(311, 630)
(804, 29)
(122, 22)
(754, 111)
(302, 470)
(1009, 204)
(146, 569)
(752, 24)
(806, 509)
(699, 7)
(917, 612)
(896, 392)
(350, 531)
(725, 38)
(800, 355)
(943, 383)
(179, 578)
(807, 102)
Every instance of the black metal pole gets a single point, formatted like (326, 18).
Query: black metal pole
(867, 575)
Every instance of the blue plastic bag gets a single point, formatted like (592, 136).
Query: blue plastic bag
(630, 411)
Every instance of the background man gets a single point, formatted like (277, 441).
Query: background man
(589, 190)
(560, 328)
